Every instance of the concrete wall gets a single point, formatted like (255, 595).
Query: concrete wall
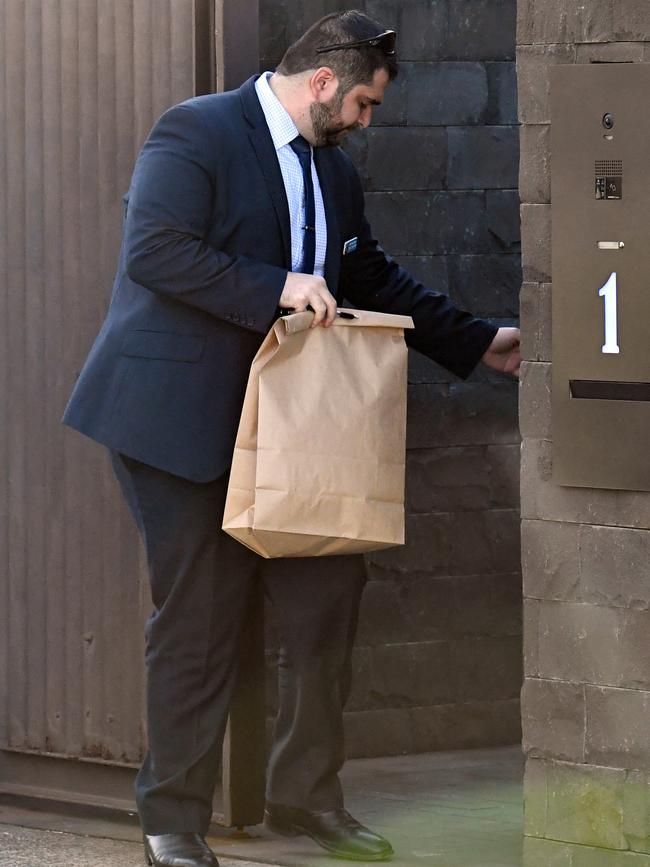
(586, 699)
(437, 663)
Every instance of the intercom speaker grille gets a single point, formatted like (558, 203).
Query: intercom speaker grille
(609, 168)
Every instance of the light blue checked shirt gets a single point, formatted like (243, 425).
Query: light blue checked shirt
(283, 130)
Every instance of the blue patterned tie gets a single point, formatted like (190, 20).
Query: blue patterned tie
(301, 148)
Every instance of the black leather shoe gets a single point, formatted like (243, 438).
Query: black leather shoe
(334, 830)
(178, 850)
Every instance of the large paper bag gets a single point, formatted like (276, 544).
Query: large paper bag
(318, 466)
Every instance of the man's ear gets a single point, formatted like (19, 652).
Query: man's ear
(323, 84)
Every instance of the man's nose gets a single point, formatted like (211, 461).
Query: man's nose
(365, 117)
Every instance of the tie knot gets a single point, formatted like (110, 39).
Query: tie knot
(300, 146)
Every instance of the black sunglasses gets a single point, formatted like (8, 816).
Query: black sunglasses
(384, 41)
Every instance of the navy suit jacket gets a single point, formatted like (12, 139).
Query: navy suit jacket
(205, 253)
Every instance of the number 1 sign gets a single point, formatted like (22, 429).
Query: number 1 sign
(609, 293)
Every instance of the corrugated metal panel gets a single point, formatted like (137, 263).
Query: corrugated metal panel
(4, 378)
(80, 83)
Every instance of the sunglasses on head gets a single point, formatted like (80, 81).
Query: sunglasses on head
(384, 41)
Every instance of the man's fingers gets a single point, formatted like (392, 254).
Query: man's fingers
(326, 305)
(320, 310)
(330, 301)
(305, 291)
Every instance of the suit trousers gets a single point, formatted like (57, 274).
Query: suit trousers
(200, 584)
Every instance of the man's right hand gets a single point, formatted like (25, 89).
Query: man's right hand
(302, 290)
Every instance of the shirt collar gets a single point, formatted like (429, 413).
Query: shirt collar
(283, 130)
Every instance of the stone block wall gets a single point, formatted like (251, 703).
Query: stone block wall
(438, 656)
(585, 552)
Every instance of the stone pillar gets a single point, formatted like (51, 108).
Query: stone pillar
(585, 552)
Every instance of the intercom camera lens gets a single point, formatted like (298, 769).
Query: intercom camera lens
(608, 121)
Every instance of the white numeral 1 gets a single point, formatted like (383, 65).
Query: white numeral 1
(611, 327)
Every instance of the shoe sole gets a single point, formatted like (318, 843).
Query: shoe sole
(294, 830)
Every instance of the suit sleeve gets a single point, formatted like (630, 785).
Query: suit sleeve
(372, 280)
(167, 220)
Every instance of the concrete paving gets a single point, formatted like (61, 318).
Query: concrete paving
(31, 847)
(458, 809)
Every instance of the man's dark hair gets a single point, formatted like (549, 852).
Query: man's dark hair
(351, 66)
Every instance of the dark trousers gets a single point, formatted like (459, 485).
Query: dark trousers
(200, 584)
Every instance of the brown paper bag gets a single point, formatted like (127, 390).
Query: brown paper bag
(318, 466)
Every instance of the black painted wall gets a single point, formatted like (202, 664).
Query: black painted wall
(438, 656)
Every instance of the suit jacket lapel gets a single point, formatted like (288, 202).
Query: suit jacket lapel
(327, 180)
(265, 150)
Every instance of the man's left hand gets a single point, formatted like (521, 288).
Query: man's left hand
(504, 353)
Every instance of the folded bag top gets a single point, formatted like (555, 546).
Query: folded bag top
(319, 461)
(348, 319)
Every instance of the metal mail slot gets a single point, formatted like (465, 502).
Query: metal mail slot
(601, 276)
(588, 389)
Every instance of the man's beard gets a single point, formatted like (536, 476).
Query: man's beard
(326, 122)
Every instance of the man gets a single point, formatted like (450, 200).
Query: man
(241, 205)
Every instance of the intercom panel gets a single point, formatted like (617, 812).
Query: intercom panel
(600, 164)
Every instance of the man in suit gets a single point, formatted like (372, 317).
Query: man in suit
(241, 204)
